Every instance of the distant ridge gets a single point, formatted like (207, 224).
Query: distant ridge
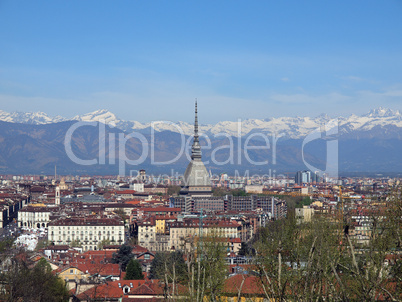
(290, 127)
(28, 148)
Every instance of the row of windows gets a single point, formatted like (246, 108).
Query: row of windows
(190, 230)
(33, 214)
(80, 229)
(69, 239)
(86, 227)
(82, 232)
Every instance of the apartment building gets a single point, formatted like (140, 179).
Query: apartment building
(147, 233)
(87, 231)
(35, 217)
(182, 232)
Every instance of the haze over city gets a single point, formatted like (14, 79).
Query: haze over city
(148, 61)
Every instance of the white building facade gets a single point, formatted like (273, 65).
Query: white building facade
(147, 234)
(182, 232)
(34, 217)
(87, 232)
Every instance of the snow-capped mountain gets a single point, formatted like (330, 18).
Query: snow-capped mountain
(29, 117)
(383, 112)
(291, 127)
(101, 115)
(35, 143)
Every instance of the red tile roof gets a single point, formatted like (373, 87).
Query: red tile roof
(112, 289)
(108, 269)
(161, 209)
(125, 192)
(155, 288)
(249, 285)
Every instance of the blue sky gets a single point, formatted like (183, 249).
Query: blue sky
(149, 60)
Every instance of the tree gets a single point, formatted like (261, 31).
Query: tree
(320, 260)
(245, 249)
(173, 190)
(76, 243)
(122, 214)
(304, 202)
(239, 192)
(123, 256)
(212, 265)
(207, 268)
(43, 265)
(6, 244)
(296, 262)
(224, 191)
(102, 243)
(42, 243)
(164, 262)
(20, 283)
(157, 269)
(367, 273)
(172, 269)
(134, 271)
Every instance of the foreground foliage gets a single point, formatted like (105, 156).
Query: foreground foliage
(134, 271)
(123, 256)
(289, 261)
(37, 284)
(320, 261)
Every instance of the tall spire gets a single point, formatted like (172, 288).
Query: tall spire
(196, 122)
(196, 148)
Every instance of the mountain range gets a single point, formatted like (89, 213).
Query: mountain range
(289, 127)
(33, 143)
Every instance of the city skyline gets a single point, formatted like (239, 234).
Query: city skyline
(254, 60)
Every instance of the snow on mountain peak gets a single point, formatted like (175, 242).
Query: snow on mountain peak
(383, 112)
(323, 116)
(29, 117)
(292, 127)
(101, 115)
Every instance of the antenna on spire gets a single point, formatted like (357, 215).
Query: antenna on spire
(196, 121)
(196, 149)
